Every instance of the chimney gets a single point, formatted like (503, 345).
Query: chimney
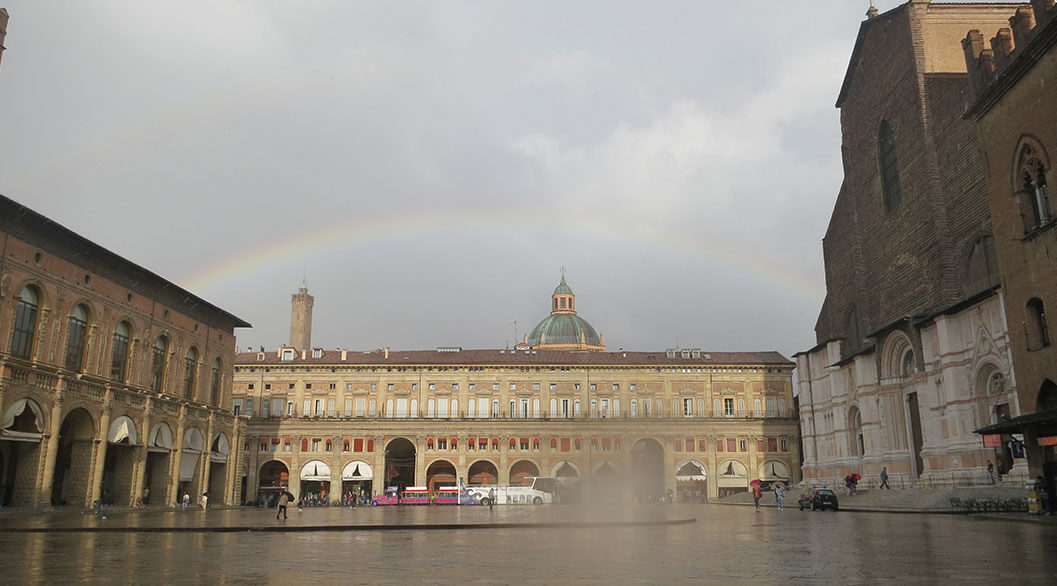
(1042, 10)
(1002, 46)
(1022, 22)
(301, 318)
(387, 352)
(978, 62)
(344, 355)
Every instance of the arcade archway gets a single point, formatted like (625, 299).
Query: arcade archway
(691, 482)
(191, 464)
(357, 479)
(647, 469)
(156, 477)
(733, 477)
(218, 468)
(21, 430)
(73, 466)
(274, 476)
(482, 472)
(400, 464)
(315, 482)
(122, 444)
(441, 473)
(522, 471)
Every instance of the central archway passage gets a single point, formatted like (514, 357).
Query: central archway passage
(647, 469)
(400, 464)
(482, 472)
(522, 471)
(73, 465)
(274, 476)
(440, 473)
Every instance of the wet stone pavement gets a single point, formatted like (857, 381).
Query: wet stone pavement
(725, 544)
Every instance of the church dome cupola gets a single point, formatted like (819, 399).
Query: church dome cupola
(563, 329)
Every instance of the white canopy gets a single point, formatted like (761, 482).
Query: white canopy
(122, 431)
(193, 440)
(774, 470)
(315, 470)
(16, 409)
(357, 470)
(732, 473)
(160, 438)
(221, 448)
(188, 464)
(691, 470)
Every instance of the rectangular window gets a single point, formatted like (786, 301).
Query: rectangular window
(743, 445)
(535, 386)
(495, 386)
(594, 387)
(236, 407)
(772, 410)
(442, 444)
(454, 386)
(315, 445)
(357, 444)
(772, 444)
(389, 386)
(361, 404)
(688, 407)
(728, 408)
(554, 387)
(513, 386)
(616, 387)
(633, 387)
(732, 445)
(473, 387)
(785, 445)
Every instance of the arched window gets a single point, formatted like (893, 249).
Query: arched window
(1031, 188)
(634, 408)
(495, 408)
(454, 407)
(190, 373)
(119, 354)
(1037, 332)
(472, 408)
(75, 338)
(889, 165)
(157, 364)
(431, 408)
(25, 323)
(906, 363)
(214, 384)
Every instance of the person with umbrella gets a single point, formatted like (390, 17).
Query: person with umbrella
(779, 494)
(284, 499)
(756, 492)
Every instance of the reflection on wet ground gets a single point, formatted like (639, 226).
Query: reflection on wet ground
(726, 544)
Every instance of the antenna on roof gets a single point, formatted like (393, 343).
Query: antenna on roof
(515, 330)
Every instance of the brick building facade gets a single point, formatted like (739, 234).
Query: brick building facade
(113, 381)
(913, 344)
(695, 423)
(1012, 80)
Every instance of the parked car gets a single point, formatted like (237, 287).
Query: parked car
(818, 498)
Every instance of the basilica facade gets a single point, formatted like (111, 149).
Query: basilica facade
(693, 424)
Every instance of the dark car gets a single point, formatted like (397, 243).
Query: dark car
(818, 498)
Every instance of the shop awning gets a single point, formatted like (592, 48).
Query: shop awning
(122, 431)
(221, 449)
(317, 471)
(1018, 424)
(357, 471)
(160, 438)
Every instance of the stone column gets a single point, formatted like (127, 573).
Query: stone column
(378, 484)
(100, 452)
(51, 452)
(232, 495)
(420, 460)
(177, 455)
(207, 450)
(712, 469)
(141, 469)
(669, 464)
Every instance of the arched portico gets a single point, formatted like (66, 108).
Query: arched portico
(73, 465)
(157, 477)
(691, 482)
(400, 455)
(522, 471)
(315, 481)
(732, 477)
(120, 460)
(357, 477)
(647, 469)
(21, 430)
(482, 472)
(218, 466)
(274, 476)
(190, 464)
(441, 473)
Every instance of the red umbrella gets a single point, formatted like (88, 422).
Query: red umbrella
(755, 482)
(856, 476)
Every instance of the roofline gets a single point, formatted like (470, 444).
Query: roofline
(859, 40)
(10, 210)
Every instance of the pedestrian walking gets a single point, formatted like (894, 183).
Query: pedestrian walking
(491, 498)
(186, 500)
(205, 499)
(284, 500)
(756, 495)
(990, 472)
(884, 478)
(779, 496)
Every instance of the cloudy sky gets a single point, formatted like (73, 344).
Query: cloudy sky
(431, 166)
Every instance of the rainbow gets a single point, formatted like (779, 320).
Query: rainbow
(425, 226)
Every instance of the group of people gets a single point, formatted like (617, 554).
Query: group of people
(779, 495)
(185, 501)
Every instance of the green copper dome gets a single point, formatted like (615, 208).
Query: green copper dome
(563, 328)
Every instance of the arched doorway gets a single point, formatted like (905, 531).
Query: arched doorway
(691, 482)
(400, 464)
(482, 472)
(315, 483)
(156, 477)
(191, 464)
(857, 447)
(732, 478)
(120, 460)
(21, 430)
(568, 475)
(521, 473)
(441, 473)
(647, 469)
(73, 466)
(274, 475)
(218, 468)
(606, 471)
(357, 478)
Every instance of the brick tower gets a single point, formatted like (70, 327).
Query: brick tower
(301, 318)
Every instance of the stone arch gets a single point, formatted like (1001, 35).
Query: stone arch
(1029, 150)
(565, 469)
(315, 481)
(1046, 400)
(856, 440)
(482, 472)
(988, 384)
(691, 482)
(605, 469)
(1031, 167)
(400, 459)
(273, 476)
(357, 477)
(157, 479)
(521, 470)
(22, 426)
(774, 470)
(24, 415)
(894, 356)
(218, 466)
(190, 478)
(441, 473)
(732, 476)
(647, 468)
(73, 465)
